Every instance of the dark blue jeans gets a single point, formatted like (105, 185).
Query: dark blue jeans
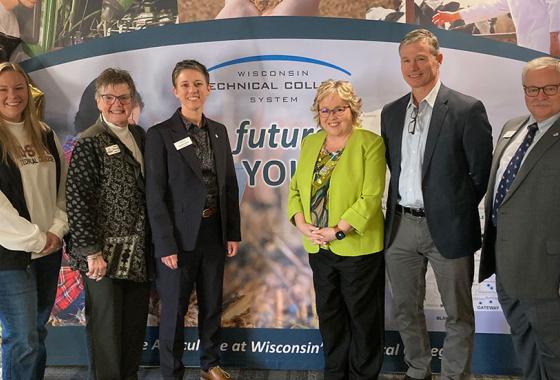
(18, 315)
(45, 271)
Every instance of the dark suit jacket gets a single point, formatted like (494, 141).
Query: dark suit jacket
(524, 249)
(455, 169)
(175, 192)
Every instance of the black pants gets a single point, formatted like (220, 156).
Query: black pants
(116, 314)
(203, 267)
(350, 292)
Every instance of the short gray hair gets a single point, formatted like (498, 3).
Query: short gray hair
(112, 77)
(539, 64)
(421, 35)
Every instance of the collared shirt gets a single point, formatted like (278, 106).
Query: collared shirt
(204, 153)
(516, 141)
(412, 150)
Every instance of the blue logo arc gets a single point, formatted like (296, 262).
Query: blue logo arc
(292, 58)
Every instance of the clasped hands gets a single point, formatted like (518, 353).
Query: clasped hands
(320, 236)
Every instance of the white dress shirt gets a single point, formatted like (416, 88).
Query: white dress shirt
(412, 150)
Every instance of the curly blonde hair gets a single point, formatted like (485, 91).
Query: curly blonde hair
(345, 91)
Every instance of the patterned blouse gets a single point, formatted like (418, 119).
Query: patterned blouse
(205, 155)
(326, 162)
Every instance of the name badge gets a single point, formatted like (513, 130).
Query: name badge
(113, 149)
(508, 134)
(183, 143)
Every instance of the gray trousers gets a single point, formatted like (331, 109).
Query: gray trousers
(407, 258)
(535, 332)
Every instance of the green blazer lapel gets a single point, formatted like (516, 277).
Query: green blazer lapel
(345, 161)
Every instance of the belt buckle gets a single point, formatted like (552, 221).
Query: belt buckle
(417, 212)
(208, 212)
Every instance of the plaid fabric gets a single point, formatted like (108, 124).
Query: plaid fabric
(68, 147)
(69, 288)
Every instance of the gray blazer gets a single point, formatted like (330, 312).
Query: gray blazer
(524, 249)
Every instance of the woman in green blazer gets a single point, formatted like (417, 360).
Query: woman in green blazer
(335, 202)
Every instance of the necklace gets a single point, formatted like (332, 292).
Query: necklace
(324, 166)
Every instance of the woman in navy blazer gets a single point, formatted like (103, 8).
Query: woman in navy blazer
(193, 206)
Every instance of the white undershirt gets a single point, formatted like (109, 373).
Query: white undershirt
(124, 134)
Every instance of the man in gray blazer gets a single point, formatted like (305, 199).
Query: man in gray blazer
(439, 150)
(521, 235)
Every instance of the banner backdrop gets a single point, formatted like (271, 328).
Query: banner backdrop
(264, 74)
(54, 24)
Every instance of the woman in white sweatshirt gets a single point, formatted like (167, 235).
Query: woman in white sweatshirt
(32, 223)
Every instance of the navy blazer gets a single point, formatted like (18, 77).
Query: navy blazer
(455, 169)
(175, 192)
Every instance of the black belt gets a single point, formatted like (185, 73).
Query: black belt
(419, 212)
(209, 212)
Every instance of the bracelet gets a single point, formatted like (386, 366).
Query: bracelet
(94, 256)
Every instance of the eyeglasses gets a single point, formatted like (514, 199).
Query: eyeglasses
(412, 122)
(336, 111)
(111, 99)
(533, 91)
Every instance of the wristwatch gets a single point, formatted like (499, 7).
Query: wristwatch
(339, 234)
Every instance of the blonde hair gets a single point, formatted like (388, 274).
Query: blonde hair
(345, 91)
(33, 127)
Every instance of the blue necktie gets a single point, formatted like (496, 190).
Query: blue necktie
(511, 170)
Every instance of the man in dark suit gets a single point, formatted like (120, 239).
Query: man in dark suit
(439, 149)
(193, 206)
(521, 236)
